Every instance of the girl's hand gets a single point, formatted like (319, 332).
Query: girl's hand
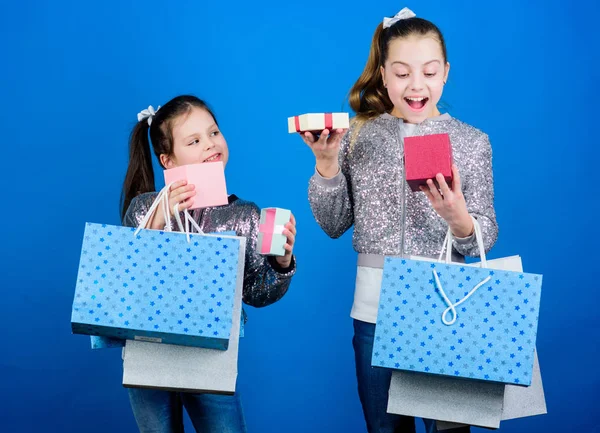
(180, 193)
(290, 232)
(450, 203)
(326, 149)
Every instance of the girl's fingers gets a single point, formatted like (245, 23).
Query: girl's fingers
(177, 184)
(290, 236)
(291, 227)
(427, 192)
(443, 185)
(433, 190)
(308, 138)
(456, 182)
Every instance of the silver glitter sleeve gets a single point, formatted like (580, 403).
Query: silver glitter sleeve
(331, 199)
(478, 190)
(138, 208)
(265, 282)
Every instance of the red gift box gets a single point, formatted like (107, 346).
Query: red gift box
(426, 156)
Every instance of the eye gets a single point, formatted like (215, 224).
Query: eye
(215, 133)
(402, 75)
(196, 141)
(429, 75)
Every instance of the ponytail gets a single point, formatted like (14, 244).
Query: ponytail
(140, 175)
(368, 97)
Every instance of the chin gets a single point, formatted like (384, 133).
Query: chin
(414, 118)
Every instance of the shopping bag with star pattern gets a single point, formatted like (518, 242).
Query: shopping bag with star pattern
(155, 285)
(457, 320)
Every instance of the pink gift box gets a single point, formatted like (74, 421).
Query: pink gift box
(208, 178)
(425, 156)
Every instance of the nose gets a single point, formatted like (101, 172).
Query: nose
(208, 144)
(416, 83)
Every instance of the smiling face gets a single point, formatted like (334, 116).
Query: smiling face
(196, 139)
(414, 74)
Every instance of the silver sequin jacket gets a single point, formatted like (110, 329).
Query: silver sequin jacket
(265, 282)
(371, 193)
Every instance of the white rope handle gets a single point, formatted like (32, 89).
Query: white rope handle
(451, 306)
(193, 222)
(163, 199)
(447, 246)
(188, 220)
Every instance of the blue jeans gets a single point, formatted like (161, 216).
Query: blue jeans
(162, 411)
(373, 387)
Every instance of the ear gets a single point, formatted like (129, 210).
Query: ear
(446, 71)
(382, 71)
(166, 161)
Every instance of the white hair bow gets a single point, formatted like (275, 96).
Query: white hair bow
(148, 113)
(402, 15)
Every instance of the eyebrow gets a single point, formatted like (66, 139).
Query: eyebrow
(406, 64)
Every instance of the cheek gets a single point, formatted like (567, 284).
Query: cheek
(188, 155)
(436, 88)
(396, 88)
(179, 152)
(223, 145)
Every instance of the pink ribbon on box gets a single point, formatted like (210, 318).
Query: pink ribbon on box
(297, 122)
(267, 230)
(328, 122)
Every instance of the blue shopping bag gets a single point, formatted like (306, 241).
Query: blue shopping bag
(457, 320)
(153, 285)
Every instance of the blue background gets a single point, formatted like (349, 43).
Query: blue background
(75, 74)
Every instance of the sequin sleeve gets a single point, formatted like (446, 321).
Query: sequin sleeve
(478, 190)
(331, 199)
(138, 208)
(265, 282)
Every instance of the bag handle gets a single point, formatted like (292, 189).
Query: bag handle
(451, 306)
(163, 199)
(447, 246)
(188, 220)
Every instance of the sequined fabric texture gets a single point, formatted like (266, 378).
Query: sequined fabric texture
(263, 283)
(371, 193)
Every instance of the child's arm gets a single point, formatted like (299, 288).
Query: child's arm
(265, 281)
(331, 198)
(478, 190)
